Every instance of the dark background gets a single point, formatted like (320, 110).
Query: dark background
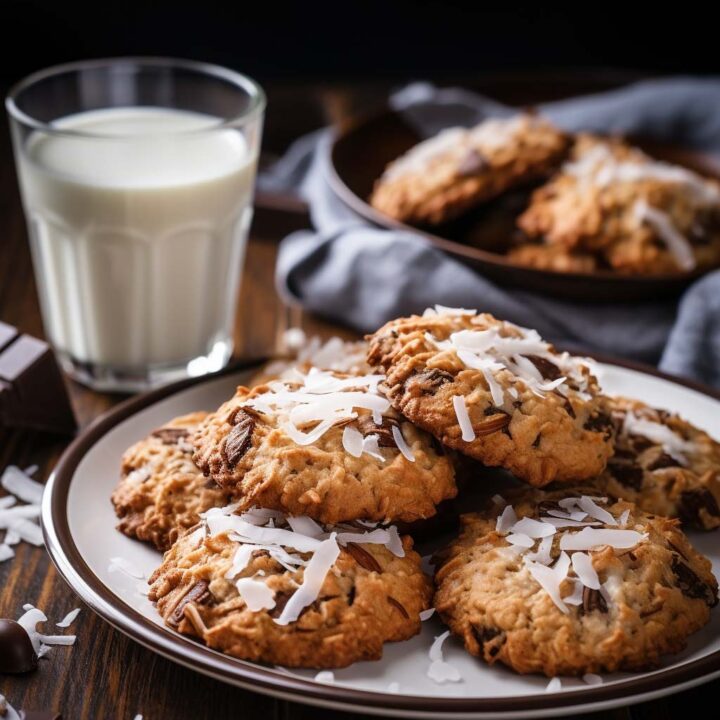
(281, 42)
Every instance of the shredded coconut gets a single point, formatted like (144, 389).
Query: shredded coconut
(554, 685)
(400, 441)
(441, 671)
(468, 434)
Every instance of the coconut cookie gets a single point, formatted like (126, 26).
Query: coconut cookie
(161, 490)
(553, 257)
(324, 445)
(663, 464)
(444, 176)
(263, 587)
(636, 215)
(496, 392)
(568, 585)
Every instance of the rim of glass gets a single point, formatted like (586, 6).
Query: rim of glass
(252, 88)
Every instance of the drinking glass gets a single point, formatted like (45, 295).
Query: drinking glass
(136, 177)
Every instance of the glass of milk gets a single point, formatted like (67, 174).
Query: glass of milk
(137, 176)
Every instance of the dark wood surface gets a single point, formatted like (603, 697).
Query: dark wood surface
(105, 675)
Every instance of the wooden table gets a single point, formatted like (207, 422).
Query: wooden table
(105, 675)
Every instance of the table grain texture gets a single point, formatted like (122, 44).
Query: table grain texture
(106, 676)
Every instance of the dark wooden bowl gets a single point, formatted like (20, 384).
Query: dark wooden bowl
(361, 151)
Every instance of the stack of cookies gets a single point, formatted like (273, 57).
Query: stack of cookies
(278, 511)
(598, 203)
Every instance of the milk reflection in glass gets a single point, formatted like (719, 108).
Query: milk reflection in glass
(138, 229)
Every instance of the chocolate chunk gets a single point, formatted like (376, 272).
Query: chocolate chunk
(489, 636)
(664, 460)
(170, 436)
(592, 600)
(472, 163)
(690, 584)
(198, 593)
(398, 605)
(239, 438)
(16, 651)
(32, 390)
(363, 558)
(627, 474)
(367, 426)
(600, 422)
(692, 502)
(569, 408)
(431, 380)
(549, 370)
(640, 443)
(281, 600)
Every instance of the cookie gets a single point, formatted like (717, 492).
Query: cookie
(636, 215)
(285, 591)
(566, 585)
(496, 392)
(553, 257)
(161, 490)
(663, 464)
(312, 446)
(444, 176)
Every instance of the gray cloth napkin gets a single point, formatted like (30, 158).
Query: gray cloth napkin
(362, 276)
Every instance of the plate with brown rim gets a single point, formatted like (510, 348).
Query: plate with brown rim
(79, 526)
(361, 150)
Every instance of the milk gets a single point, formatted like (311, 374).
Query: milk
(138, 230)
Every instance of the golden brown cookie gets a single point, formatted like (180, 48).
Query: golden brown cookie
(553, 257)
(312, 447)
(496, 392)
(291, 595)
(663, 464)
(564, 584)
(161, 491)
(444, 176)
(636, 215)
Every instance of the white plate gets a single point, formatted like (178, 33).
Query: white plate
(79, 525)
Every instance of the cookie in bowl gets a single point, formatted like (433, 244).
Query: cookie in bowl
(636, 215)
(326, 445)
(161, 491)
(496, 392)
(566, 584)
(444, 176)
(261, 586)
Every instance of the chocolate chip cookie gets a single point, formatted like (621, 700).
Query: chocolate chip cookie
(568, 585)
(266, 588)
(663, 464)
(161, 490)
(325, 445)
(444, 176)
(496, 392)
(634, 214)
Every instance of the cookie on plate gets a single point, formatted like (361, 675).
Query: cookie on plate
(564, 584)
(496, 392)
(553, 257)
(325, 445)
(663, 464)
(263, 587)
(635, 214)
(444, 176)
(161, 491)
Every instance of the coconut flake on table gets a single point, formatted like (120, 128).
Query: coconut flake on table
(592, 679)
(6, 552)
(468, 434)
(400, 441)
(41, 643)
(671, 442)
(69, 619)
(393, 687)
(591, 538)
(21, 485)
(441, 671)
(426, 614)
